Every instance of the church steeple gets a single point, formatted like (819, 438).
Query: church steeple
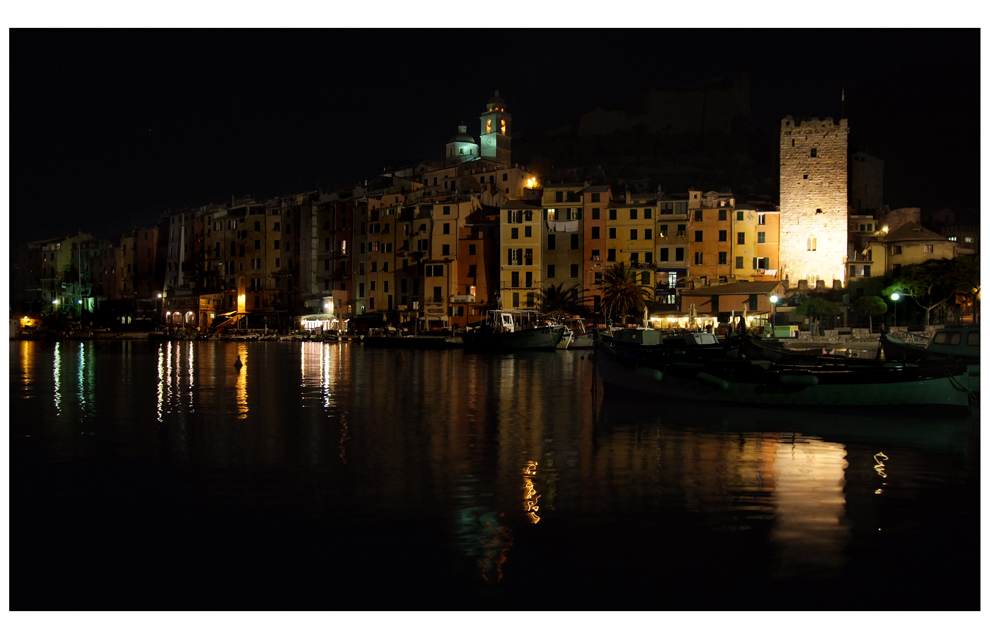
(496, 132)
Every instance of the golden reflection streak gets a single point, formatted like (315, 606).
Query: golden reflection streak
(496, 549)
(530, 497)
(27, 359)
(161, 380)
(58, 395)
(880, 458)
(242, 404)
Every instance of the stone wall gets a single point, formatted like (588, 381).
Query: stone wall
(813, 199)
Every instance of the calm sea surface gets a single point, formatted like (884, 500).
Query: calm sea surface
(339, 477)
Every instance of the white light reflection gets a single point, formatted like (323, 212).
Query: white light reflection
(168, 376)
(192, 359)
(81, 384)
(161, 381)
(325, 356)
(58, 394)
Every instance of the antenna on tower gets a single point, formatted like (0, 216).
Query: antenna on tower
(843, 109)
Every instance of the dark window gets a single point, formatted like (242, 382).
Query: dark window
(697, 216)
(699, 236)
(723, 236)
(514, 233)
(741, 238)
(551, 271)
(611, 255)
(664, 255)
(551, 242)
(612, 214)
(633, 234)
(699, 258)
(574, 270)
(528, 231)
(761, 237)
(472, 249)
(596, 214)
(679, 255)
(723, 257)
(723, 215)
(739, 262)
(574, 240)
(596, 197)
(596, 232)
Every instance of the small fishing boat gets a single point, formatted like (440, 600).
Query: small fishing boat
(658, 373)
(960, 344)
(503, 333)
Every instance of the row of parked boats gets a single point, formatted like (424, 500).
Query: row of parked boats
(944, 375)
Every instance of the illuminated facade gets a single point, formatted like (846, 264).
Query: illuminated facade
(563, 255)
(496, 133)
(521, 232)
(813, 200)
(710, 239)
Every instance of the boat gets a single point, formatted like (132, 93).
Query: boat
(960, 344)
(756, 348)
(503, 333)
(566, 338)
(656, 373)
(581, 337)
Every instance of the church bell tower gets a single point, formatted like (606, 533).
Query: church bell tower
(496, 132)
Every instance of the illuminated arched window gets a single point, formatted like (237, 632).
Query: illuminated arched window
(503, 127)
(489, 125)
(812, 243)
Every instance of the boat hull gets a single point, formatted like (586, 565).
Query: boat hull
(745, 383)
(541, 338)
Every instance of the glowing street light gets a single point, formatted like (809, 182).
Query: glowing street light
(773, 313)
(894, 297)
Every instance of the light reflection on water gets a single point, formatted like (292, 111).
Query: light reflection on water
(489, 446)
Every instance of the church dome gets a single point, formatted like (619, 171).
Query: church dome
(462, 135)
(495, 102)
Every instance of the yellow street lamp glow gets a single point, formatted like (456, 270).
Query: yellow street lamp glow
(773, 299)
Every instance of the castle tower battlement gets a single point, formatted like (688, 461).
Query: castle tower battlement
(814, 200)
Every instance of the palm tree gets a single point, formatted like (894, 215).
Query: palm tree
(560, 298)
(623, 293)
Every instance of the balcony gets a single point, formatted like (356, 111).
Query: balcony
(462, 299)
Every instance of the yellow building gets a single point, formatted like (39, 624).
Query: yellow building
(709, 242)
(521, 235)
(630, 240)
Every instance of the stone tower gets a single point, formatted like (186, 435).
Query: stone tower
(496, 132)
(813, 200)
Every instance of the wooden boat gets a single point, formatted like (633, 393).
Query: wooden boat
(503, 333)
(960, 344)
(757, 349)
(746, 382)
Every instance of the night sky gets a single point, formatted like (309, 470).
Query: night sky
(108, 128)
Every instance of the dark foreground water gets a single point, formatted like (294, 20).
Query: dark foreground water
(338, 477)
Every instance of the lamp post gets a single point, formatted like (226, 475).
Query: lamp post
(894, 297)
(160, 311)
(773, 314)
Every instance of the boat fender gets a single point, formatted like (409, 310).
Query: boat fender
(650, 373)
(717, 382)
(793, 379)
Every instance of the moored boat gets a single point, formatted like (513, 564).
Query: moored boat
(503, 333)
(745, 382)
(960, 344)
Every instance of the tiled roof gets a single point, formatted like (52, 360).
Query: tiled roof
(911, 231)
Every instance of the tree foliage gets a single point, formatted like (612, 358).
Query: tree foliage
(817, 307)
(871, 306)
(935, 282)
(622, 292)
(560, 298)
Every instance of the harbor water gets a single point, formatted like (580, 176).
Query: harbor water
(158, 476)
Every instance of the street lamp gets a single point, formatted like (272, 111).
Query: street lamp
(894, 297)
(773, 313)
